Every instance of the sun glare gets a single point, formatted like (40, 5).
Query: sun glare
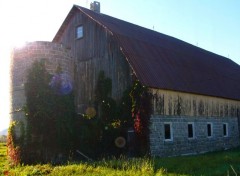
(5, 87)
(6, 48)
(5, 62)
(19, 44)
(13, 34)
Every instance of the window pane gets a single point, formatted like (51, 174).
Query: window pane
(209, 130)
(224, 129)
(167, 130)
(79, 32)
(190, 130)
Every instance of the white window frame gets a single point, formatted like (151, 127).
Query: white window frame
(226, 135)
(78, 36)
(171, 131)
(193, 130)
(211, 126)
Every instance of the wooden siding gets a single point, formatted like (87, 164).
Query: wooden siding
(96, 51)
(172, 103)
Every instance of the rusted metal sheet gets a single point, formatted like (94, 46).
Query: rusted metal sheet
(164, 62)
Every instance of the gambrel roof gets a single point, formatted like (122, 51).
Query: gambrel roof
(164, 62)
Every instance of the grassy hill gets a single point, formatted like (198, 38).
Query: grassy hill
(217, 163)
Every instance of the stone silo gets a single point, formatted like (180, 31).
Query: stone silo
(53, 54)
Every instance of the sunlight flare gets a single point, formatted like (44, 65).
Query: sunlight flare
(5, 87)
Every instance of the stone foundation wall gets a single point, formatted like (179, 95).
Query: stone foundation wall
(182, 145)
(53, 54)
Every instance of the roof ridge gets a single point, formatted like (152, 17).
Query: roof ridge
(165, 62)
(158, 34)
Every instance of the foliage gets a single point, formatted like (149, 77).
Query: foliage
(50, 119)
(141, 109)
(13, 146)
(106, 106)
(111, 121)
(115, 118)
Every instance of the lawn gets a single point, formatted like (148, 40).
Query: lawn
(216, 163)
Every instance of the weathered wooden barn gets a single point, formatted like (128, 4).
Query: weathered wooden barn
(195, 93)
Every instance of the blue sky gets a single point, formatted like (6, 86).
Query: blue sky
(210, 24)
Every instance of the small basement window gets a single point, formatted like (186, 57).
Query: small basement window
(79, 32)
(168, 131)
(225, 129)
(209, 129)
(191, 131)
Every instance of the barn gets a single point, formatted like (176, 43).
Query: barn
(195, 94)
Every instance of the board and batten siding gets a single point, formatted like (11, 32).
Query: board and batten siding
(96, 51)
(166, 102)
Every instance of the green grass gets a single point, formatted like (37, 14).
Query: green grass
(3, 157)
(216, 163)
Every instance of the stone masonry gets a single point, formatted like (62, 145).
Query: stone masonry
(53, 54)
(200, 143)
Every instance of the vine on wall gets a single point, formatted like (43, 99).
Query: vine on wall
(141, 110)
(52, 127)
(50, 113)
(13, 148)
(112, 120)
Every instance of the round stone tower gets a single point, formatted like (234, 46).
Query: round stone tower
(53, 54)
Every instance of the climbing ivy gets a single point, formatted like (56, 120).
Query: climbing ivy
(141, 110)
(13, 146)
(111, 121)
(52, 127)
(135, 103)
(50, 130)
(106, 105)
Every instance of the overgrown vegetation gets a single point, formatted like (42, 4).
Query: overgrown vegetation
(13, 146)
(141, 110)
(107, 121)
(53, 132)
(50, 116)
(113, 119)
(212, 164)
(49, 133)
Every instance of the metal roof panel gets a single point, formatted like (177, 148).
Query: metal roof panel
(164, 62)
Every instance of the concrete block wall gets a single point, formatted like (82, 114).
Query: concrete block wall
(53, 54)
(182, 145)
